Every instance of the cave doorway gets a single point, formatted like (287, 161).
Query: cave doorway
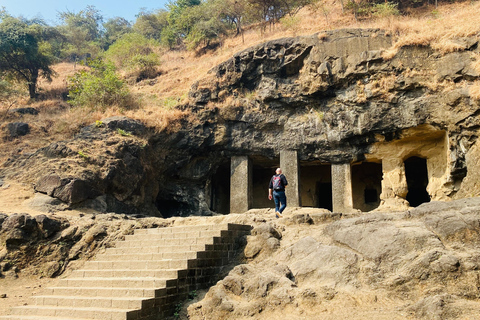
(172, 208)
(316, 184)
(219, 195)
(366, 185)
(417, 181)
(263, 170)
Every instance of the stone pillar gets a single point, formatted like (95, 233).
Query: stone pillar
(342, 187)
(291, 169)
(241, 184)
(394, 184)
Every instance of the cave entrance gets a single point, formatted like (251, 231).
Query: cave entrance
(417, 180)
(263, 170)
(171, 208)
(316, 185)
(219, 196)
(366, 185)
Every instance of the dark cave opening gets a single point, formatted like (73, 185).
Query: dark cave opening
(263, 170)
(366, 185)
(417, 180)
(316, 185)
(218, 197)
(172, 208)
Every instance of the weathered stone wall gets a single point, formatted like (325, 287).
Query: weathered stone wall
(330, 97)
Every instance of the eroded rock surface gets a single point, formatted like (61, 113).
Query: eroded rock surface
(332, 97)
(404, 262)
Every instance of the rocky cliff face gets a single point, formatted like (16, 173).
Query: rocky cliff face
(333, 97)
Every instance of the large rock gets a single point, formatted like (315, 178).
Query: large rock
(264, 240)
(75, 191)
(17, 129)
(314, 263)
(47, 225)
(68, 190)
(48, 184)
(22, 111)
(45, 203)
(19, 229)
(124, 123)
(245, 292)
(381, 240)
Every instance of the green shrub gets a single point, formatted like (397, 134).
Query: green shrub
(386, 9)
(98, 87)
(135, 54)
(123, 132)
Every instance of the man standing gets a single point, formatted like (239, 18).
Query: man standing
(277, 186)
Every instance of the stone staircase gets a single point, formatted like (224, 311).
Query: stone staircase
(142, 278)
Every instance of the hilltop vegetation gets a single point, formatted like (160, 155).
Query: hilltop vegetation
(144, 69)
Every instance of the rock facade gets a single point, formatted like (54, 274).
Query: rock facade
(331, 97)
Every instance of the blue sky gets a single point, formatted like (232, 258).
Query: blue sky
(109, 8)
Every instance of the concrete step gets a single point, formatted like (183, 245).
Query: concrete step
(74, 312)
(143, 278)
(182, 229)
(125, 273)
(92, 302)
(169, 249)
(136, 265)
(147, 256)
(163, 242)
(147, 283)
(104, 292)
(181, 235)
(175, 229)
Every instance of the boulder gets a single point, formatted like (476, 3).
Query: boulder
(45, 203)
(75, 191)
(382, 241)
(124, 123)
(48, 184)
(68, 190)
(28, 110)
(264, 239)
(47, 225)
(245, 292)
(18, 229)
(314, 263)
(17, 129)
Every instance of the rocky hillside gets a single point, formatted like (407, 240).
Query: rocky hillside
(335, 97)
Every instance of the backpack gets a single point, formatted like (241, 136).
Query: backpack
(277, 182)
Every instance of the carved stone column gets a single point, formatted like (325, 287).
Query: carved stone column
(291, 169)
(394, 184)
(241, 184)
(342, 187)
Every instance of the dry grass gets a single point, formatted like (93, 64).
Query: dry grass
(439, 31)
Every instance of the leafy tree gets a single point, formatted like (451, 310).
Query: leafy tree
(207, 23)
(270, 11)
(115, 28)
(98, 87)
(181, 20)
(151, 24)
(135, 54)
(23, 55)
(83, 31)
(232, 12)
